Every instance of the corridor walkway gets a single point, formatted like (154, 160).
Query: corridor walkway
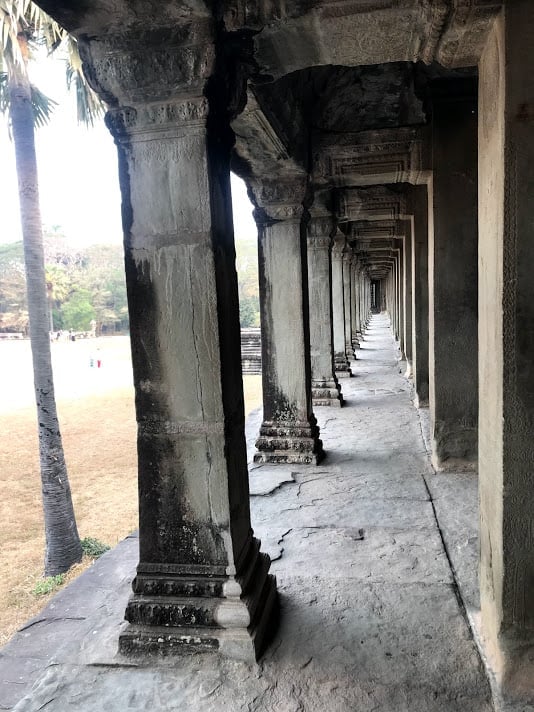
(371, 617)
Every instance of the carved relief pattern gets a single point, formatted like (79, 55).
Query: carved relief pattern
(398, 160)
(467, 31)
(282, 200)
(320, 229)
(157, 118)
(436, 12)
(154, 73)
(363, 205)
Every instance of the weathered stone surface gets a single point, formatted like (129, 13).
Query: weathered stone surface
(453, 281)
(369, 620)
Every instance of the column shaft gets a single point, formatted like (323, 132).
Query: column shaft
(325, 387)
(506, 356)
(407, 296)
(341, 362)
(289, 432)
(453, 338)
(420, 294)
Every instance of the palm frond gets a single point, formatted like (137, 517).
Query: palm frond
(4, 93)
(42, 106)
(89, 106)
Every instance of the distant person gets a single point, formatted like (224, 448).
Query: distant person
(72, 335)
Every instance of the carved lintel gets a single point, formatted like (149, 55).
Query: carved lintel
(372, 203)
(376, 157)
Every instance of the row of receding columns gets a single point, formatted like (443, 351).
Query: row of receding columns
(314, 300)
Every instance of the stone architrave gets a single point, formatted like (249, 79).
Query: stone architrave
(201, 582)
(325, 387)
(453, 280)
(506, 353)
(341, 362)
(289, 431)
(347, 300)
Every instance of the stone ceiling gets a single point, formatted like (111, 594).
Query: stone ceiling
(338, 91)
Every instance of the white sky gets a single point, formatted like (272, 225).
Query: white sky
(78, 183)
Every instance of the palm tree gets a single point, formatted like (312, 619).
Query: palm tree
(21, 24)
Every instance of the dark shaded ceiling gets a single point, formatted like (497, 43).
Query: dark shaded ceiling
(329, 100)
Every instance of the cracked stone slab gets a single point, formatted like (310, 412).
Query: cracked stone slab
(322, 510)
(387, 485)
(265, 480)
(378, 554)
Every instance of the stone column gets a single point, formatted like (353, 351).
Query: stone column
(453, 327)
(407, 296)
(347, 300)
(400, 296)
(289, 432)
(341, 362)
(420, 294)
(355, 306)
(201, 582)
(506, 354)
(325, 387)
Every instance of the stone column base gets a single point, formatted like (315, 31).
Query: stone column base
(355, 343)
(349, 348)
(342, 366)
(420, 402)
(327, 393)
(289, 442)
(182, 609)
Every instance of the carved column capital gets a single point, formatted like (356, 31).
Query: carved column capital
(280, 200)
(320, 232)
(141, 67)
(162, 120)
(347, 253)
(338, 246)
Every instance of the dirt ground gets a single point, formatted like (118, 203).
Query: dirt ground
(97, 422)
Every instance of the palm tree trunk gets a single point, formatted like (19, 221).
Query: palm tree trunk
(62, 541)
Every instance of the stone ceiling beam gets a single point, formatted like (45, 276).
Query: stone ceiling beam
(374, 158)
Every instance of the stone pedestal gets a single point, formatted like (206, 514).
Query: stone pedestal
(202, 583)
(419, 202)
(506, 355)
(325, 387)
(453, 265)
(341, 362)
(289, 432)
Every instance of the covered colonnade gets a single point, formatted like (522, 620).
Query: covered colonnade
(387, 148)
